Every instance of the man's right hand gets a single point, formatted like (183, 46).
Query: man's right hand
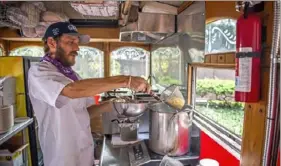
(138, 84)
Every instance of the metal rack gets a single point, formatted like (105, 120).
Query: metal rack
(18, 127)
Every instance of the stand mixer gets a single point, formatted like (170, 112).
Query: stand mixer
(128, 113)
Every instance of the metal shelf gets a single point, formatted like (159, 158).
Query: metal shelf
(18, 126)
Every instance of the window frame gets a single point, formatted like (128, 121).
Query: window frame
(226, 138)
(103, 57)
(40, 46)
(182, 65)
(23, 46)
(2, 51)
(2, 48)
(149, 54)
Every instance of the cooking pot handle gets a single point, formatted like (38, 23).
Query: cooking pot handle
(185, 107)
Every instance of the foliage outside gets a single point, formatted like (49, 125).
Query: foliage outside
(215, 100)
(231, 119)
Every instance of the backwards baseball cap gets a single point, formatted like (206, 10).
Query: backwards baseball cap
(60, 28)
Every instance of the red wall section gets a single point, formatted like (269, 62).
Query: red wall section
(211, 149)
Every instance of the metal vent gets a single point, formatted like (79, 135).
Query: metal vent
(149, 28)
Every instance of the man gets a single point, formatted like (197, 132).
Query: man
(63, 104)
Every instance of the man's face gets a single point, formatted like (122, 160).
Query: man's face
(66, 49)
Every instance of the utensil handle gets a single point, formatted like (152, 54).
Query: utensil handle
(114, 106)
(133, 95)
(155, 96)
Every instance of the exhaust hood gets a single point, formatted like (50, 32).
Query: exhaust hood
(192, 21)
(150, 28)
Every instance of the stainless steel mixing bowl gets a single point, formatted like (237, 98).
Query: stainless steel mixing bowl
(130, 109)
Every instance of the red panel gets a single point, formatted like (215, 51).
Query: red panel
(211, 149)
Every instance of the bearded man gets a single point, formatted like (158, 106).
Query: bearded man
(63, 102)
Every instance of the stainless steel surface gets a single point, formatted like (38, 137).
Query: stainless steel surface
(149, 28)
(6, 118)
(120, 156)
(130, 109)
(129, 131)
(192, 20)
(7, 91)
(169, 131)
(19, 126)
(110, 128)
(113, 156)
(273, 83)
(191, 25)
(190, 36)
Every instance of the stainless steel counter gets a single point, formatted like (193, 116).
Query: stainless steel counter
(113, 156)
(118, 156)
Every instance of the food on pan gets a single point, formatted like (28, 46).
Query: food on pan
(176, 102)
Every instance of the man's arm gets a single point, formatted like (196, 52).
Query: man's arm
(91, 87)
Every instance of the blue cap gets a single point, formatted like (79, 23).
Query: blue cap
(60, 28)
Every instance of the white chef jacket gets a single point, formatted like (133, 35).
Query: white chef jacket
(64, 124)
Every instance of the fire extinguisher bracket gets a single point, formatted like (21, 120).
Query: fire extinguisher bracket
(247, 54)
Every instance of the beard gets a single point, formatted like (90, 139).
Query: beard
(64, 58)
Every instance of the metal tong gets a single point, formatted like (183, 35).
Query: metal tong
(156, 97)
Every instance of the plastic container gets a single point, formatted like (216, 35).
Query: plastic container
(208, 162)
(97, 99)
(168, 161)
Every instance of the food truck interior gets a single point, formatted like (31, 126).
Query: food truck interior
(214, 68)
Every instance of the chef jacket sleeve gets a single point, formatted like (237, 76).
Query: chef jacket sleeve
(46, 84)
(90, 101)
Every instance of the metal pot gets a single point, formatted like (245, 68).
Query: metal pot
(169, 130)
(6, 118)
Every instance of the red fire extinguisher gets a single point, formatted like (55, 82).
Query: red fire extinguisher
(248, 54)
